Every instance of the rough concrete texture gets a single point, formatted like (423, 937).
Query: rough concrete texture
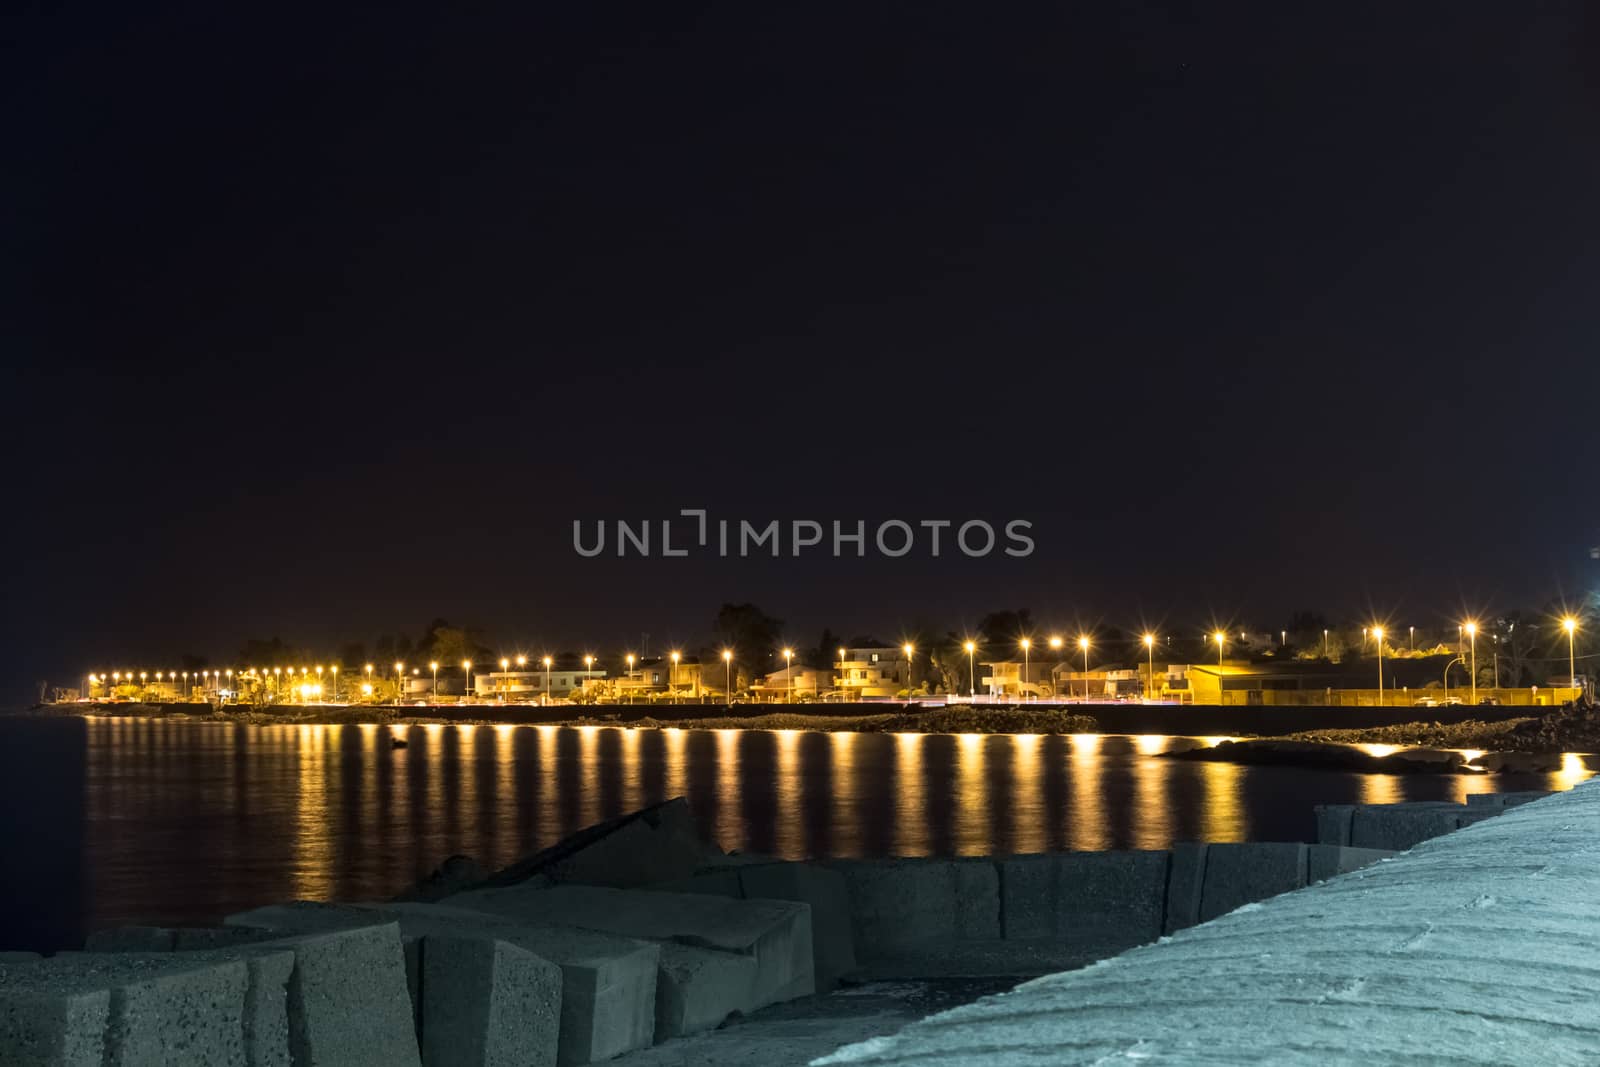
(655, 844)
(488, 1003)
(1401, 826)
(777, 933)
(903, 904)
(1506, 800)
(1333, 823)
(1329, 861)
(132, 939)
(1185, 879)
(1240, 873)
(698, 988)
(123, 1009)
(348, 1000)
(1107, 900)
(608, 991)
(825, 892)
(1476, 947)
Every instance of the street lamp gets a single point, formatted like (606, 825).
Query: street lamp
(1150, 648)
(844, 676)
(505, 678)
(1221, 637)
(1324, 644)
(630, 658)
(1471, 630)
(399, 680)
(522, 661)
(1021, 692)
(727, 676)
(911, 651)
(788, 669)
(1377, 635)
(547, 662)
(972, 671)
(1083, 643)
(433, 666)
(672, 679)
(466, 672)
(588, 666)
(1055, 646)
(1570, 625)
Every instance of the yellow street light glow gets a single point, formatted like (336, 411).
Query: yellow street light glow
(675, 657)
(547, 662)
(399, 666)
(1149, 639)
(1083, 643)
(466, 664)
(431, 666)
(1055, 642)
(726, 655)
(1471, 629)
(1569, 624)
(1219, 635)
(505, 664)
(970, 647)
(908, 648)
(369, 668)
(1377, 633)
(522, 661)
(788, 652)
(1026, 644)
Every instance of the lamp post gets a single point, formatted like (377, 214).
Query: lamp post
(1083, 643)
(911, 651)
(1055, 646)
(788, 670)
(433, 665)
(399, 680)
(1221, 637)
(588, 668)
(1021, 692)
(1150, 648)
(505, 678)
(1413, 638)
(672, 679)
(1377, 635)
(1471, 630)
(972, 671)
(522, 661)
(727, 676)
(546, 698)
(1570, 625)
(844, 676)
(466, 676)
(629, 657)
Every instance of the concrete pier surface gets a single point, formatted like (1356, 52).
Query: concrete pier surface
(1481, 946)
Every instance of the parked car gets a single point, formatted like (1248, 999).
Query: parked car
(1425, 702)
(1489, 702)
(1453, 702)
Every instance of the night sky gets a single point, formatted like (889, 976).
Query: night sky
(328, 323)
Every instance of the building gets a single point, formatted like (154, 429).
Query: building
(526, 684)
(803, 683)
(1013, 677)
(661, 675)
(862, 673)
(1101, 683)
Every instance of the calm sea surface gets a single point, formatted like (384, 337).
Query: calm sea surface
(142, 820)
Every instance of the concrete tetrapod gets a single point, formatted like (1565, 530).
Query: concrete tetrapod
(1474, 947)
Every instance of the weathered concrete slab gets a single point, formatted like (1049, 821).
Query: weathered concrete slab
(828, 896)
(608, 992)
(1476, 947)
(123, 1009)
(1242, 873)
(131, 939)
(487, 1003)
(1333, 823)
(348, 1001)
(1185, 884)
(656, 844)
(776, 932)
(1106, 899)
(1329, 861)
(1506, 800)
(698, 988)
(1398, 827)
(899, 904)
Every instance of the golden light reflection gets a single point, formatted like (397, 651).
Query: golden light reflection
(1222, 814)
(1029, 832)
(1087, 827)
(1378, 751)
(632, 771)
(311, 869)
(1381, 789)
(844, 814)
(1152, 808)
(729, 830)
(589, 760)
(675, 742)
(910, 797)
(972, 798)
(1573, 770)
(1151, 744)
(787, 833)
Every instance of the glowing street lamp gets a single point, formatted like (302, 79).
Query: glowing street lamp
(1377, 635)
(911, 652)
(399, 680)
(788, 669)
(1220, 639)
(466, 673)
(972, 670)
(1083, 643)
(672, 678)
(432, 666)
(588, 668)
(546, 698)
(505, 678)
(1570, 625)
(727, 675)
(1471, 630)
(1150, 649)
(1026, 644)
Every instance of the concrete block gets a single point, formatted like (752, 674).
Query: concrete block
(131, 939)
(1333, 823)
(1506, 800)
(1109, 899)
(776, 932)
(898, 904)
(265, 1019)
(1329, 861)
(698, 988)
(1239, 874)
(199, 938)
(656, 844)
(825, 892)
(718, 883)
(123, 1009)
(1185, 881)
(348, 1000)
(1399, 827)
(486, 1002)
(608, 984)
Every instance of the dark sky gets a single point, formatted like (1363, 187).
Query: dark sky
(328, 323)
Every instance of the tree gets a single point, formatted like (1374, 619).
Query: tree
(825, 651)
(749, 631)
(1003, 629)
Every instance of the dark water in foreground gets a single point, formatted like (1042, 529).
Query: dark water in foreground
(122, 820)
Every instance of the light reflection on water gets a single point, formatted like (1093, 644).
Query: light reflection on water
(186, 821)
